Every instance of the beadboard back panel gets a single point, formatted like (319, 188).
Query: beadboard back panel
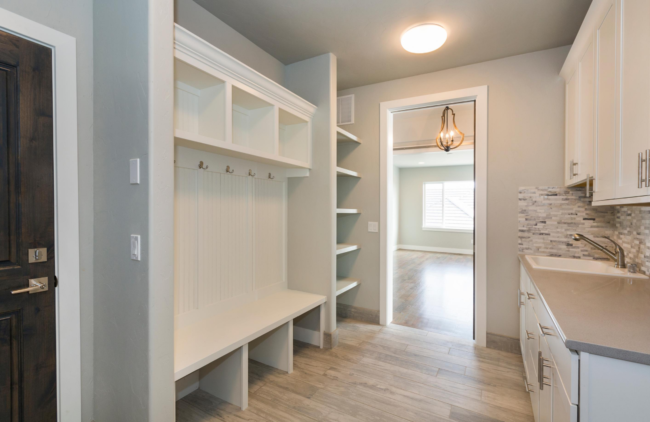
(230, 233)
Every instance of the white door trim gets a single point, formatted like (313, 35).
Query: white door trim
(480, 95)
(68, 333)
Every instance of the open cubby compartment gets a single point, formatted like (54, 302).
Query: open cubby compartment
(253, 122)
(294, 136)
(199, 102)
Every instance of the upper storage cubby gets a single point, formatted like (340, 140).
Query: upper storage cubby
(253, 121)
(199, 102)
(225, 107)
(294, 136)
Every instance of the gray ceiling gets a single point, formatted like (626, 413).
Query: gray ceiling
(365, 34)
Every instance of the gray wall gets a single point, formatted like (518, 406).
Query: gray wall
(75, 18)
(196, 19)
(396, 205)
(526, 148)
(411, 233)
(121, 132)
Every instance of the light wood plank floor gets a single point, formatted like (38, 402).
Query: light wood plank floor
(434, 292)
(379, 374)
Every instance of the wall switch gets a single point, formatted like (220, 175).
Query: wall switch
(134, 171)
(135, 247)
(373, 226)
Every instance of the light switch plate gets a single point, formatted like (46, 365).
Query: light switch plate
(134, 171)
(135, 247)
(373, 226)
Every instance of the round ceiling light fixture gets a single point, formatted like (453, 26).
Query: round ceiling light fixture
(424, 38)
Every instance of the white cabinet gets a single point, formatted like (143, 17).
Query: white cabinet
(608, 102)
(580, 120)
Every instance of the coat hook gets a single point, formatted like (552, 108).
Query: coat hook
(271, 176)
(250, 173)
(202, 166)
(229, 170)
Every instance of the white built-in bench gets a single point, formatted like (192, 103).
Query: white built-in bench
(212, 354)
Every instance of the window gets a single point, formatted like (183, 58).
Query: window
(448, 206)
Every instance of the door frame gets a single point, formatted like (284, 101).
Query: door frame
(66, 214)
(480, 96)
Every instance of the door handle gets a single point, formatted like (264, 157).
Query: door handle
(36, 285)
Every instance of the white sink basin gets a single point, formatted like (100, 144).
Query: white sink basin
(579, 266)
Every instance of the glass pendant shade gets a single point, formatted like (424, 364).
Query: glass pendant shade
(448, 137)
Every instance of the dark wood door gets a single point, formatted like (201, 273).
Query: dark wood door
(27, 320)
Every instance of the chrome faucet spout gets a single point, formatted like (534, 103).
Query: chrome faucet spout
(618, 256)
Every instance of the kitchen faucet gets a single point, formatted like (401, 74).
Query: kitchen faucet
(617, 256)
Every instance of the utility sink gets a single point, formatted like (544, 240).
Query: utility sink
(579, 266)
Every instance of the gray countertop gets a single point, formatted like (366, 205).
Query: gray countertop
(604, 315)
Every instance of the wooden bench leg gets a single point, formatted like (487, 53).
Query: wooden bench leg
(322, 325)
(275, 348)
(227, 377)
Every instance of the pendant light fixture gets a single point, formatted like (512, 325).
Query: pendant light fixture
(447, 137)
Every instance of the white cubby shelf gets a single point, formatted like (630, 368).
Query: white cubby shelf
(225, 107)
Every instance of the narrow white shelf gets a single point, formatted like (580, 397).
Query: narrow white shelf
(343, 284)
(345, 136)
(205, 143)
(345, 211)
(347, 173)
(342, 248)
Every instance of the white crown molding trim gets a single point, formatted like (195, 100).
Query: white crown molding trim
(199, 49)
(436, 249)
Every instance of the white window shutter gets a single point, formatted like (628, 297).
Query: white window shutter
(345, 110)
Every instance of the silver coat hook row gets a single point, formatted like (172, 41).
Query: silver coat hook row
(271, 176)
(229, 170)
(203, 166)
(250, 173)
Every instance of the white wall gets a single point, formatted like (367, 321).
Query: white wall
(75, 18)
(526, 148)
(196, 19)
(411, 233)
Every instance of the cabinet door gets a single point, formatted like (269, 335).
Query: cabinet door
(545, 378)
(532, 348)
(521, 302)
(606, 106)
(586, 106)
(571, 137)
(563, 410)
(634, 97)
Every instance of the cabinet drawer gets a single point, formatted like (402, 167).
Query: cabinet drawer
(565, 359)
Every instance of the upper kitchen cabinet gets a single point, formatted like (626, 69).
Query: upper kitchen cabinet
(608, 103)
(579, 153)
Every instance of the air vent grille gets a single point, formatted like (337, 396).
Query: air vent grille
(345, 110)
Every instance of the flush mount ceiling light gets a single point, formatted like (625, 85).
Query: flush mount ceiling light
(424, 38)
(445, 139)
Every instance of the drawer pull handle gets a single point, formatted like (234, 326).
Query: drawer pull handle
(531, 296)
(543, 329)
(547, 384)
(529, 335)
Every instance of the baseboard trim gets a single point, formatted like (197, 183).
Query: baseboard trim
(357, 313)
(503, 343)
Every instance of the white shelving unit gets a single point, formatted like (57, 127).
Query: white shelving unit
(343, 283)
(346, 173)
(346, 211)
(225, 107)
(238, 138)
(345, 136)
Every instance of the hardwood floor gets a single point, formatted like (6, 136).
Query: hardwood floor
(379, 374)
(434, 292)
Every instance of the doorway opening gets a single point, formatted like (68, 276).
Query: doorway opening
(478, 96)
(433, 222)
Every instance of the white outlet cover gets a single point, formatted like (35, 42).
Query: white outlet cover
(373, 226)
(135, 247)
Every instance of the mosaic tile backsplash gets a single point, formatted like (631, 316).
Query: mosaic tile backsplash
(549, 215)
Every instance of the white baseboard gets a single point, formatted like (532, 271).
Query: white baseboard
(306, 336)
(436, 249)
